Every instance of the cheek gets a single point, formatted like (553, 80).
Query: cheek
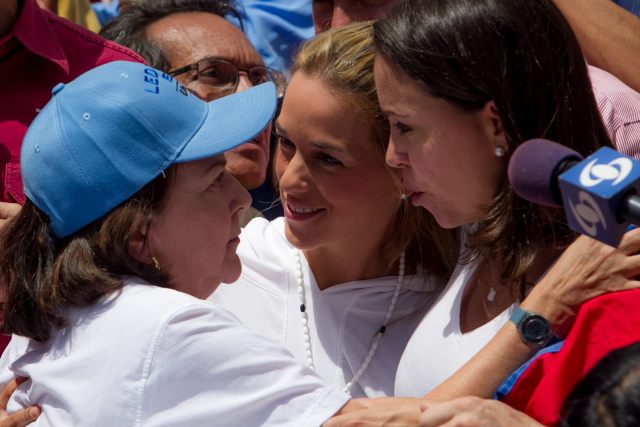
(364, 192)
(196, 228)
(424, 160)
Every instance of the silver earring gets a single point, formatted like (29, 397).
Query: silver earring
(500, 152)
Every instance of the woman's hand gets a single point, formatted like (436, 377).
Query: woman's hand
(585, 270)
(474, 412)
(384, 411)
(20, 418)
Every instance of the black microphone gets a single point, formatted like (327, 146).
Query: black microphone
(597, 193)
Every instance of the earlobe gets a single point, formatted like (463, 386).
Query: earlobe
(138, 245)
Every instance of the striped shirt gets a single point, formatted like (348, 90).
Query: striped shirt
(619, 107)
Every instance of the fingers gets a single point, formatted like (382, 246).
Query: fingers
(21, 418)
(442, 413)
(8, 391)
(630, 243)
(631, 265)
(630, 284)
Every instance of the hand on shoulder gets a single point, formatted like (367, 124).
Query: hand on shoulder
(474, 412)
(585, 270)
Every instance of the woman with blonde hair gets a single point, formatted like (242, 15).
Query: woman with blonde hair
(343, 279)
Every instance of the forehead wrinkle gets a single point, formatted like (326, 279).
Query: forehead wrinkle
(188, 37)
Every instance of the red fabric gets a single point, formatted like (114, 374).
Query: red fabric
(603, 324)
(41, 51)
(4, 342)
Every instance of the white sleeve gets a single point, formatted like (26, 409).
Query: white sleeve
(16, 348)
(207, 369)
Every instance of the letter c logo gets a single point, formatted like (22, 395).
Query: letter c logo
(616, 170)
(588, 214)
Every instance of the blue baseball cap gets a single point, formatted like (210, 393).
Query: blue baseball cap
(114, 129)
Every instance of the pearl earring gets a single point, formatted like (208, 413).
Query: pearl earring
(500, 152)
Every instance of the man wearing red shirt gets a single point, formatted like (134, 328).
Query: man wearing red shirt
(37, 51)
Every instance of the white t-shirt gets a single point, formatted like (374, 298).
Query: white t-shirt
(148, 356)
(342, 319)
(438, 348)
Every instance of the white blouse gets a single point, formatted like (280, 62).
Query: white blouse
(438, 348)
(150, 356)
(342, 319)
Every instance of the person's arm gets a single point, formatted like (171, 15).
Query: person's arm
(474, 412)
(207, 366)
(585, 270)
(608, 35)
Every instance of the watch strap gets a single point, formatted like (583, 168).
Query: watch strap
(523, 319)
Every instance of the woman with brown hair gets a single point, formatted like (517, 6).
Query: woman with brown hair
(130, 222)
(458, 109)
(463, 83)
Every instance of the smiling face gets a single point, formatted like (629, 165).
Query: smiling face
(337, 13)
(186, 38)
(334, 184)
(447, 155)
(195, 234)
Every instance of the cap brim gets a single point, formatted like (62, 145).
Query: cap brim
(231, 121)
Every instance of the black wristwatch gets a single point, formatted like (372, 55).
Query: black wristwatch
(533, 328)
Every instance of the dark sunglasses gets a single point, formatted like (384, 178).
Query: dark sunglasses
(224, 75)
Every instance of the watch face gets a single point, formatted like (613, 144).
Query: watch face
(535, 329)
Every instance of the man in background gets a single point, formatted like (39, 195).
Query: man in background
(37, 51)
(192, 41)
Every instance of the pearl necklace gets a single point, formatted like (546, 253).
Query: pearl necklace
(376, 338)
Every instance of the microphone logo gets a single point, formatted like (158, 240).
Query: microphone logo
(616, 170)
(588, 214)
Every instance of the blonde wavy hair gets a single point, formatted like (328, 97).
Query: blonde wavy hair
(343, 59)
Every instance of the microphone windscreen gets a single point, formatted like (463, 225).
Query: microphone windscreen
(534, 168)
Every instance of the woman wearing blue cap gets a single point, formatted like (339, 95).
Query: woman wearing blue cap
(130, 215)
